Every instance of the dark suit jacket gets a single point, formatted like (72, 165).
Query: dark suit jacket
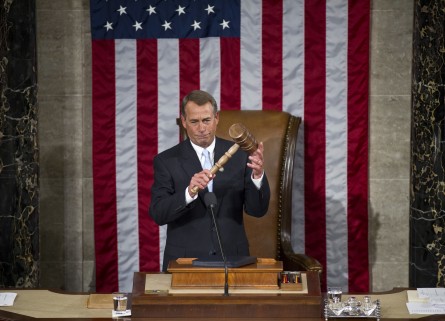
(190, 231)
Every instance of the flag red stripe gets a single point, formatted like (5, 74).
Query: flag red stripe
(230, 73)
(272, 52)
(189, 67)
(147, 125)
(104, 165)
(358, 78)
(230, 96)
(315, 131)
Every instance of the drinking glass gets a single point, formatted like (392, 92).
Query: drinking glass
(334, 294)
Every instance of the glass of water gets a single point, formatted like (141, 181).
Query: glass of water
(334, 294)
(120, 302)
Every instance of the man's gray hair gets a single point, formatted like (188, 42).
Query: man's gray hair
(199, 97)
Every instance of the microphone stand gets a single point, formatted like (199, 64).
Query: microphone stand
(226, 272)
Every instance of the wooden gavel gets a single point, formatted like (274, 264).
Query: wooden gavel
(243, 139)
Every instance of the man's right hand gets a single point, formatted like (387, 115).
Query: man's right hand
(200, 180)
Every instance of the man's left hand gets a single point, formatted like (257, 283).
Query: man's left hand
(257, 162)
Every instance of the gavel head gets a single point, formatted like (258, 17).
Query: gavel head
(241, 135)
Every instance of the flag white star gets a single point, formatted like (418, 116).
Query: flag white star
(151, 10)
(209, 9)
(180, 10)
(108, 25)
(122, 10)
(196, 25)
(137, 25)
(225, 24)
(166, 25)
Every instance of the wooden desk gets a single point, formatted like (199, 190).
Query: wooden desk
(68, 307)
(241, 306)
(251, 276)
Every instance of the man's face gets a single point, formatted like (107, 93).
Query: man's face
(200, 123)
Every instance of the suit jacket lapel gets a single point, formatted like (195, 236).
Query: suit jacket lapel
(189, 159)
(219, 149)
(219, 152)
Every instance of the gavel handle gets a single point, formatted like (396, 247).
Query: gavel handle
(220, 163)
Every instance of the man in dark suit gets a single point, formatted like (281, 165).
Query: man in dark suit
(241, 186)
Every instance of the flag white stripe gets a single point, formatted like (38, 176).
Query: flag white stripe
(336, 143)
(251, 55)
(210, 66)
(335, 256)
(168, 93)
(126, 166)
(293, 103)
(293, 57)
(168, 107)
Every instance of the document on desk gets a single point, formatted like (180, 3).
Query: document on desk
(435, 295)
(7, 298)
(426, 301)
(423, 308)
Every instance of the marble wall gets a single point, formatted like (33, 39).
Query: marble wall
(427, 248)
(66, 211)
(19, 158)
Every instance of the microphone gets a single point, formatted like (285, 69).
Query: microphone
(210, 202)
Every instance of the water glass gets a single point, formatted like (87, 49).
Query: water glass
(334, 294)
(120, 302)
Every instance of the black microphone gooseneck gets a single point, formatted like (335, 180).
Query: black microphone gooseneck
(210, 201)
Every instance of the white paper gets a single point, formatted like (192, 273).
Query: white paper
(118, 314)
(426, 301)
(413, 296)
(423, 308)
(7, 298)
(438, 293)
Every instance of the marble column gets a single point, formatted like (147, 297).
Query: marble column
(19, 169)
(427, 197)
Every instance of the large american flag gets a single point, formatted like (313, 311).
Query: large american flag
(306, 57)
